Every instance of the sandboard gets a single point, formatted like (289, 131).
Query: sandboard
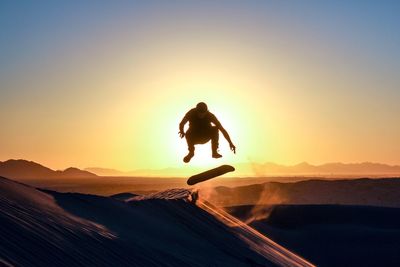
(204, 176)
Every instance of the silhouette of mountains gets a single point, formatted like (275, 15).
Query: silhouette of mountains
(269, 169)
(105, 171)
(23, 169)
(334, 168)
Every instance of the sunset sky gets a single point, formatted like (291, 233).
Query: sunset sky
(106, 83)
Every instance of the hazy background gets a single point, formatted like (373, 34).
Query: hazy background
(103, 83)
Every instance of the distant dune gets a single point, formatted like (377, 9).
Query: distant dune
(372, 192)
(332, 235)
(23, 169)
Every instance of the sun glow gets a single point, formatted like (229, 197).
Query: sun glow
(227, 110)
(166, 90)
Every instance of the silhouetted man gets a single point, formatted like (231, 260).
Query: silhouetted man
(203, 126)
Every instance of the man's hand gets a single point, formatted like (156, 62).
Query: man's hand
(233, 148)
(181, 134)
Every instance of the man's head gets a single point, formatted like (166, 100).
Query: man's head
(201, 109)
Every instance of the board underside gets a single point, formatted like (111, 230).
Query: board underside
(204, 176)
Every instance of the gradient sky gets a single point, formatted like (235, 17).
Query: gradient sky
(105, 83)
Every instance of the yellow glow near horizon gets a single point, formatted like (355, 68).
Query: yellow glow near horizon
(114, 97)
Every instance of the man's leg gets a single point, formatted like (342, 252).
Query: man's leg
(190, 142)
(214, 142)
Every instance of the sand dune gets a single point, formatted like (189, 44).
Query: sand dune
(46, 228)
(372, 192)
(332, 235)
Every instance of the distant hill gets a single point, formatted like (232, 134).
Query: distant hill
(371, 192)
(270, 169)
(105, 171)
(336, 168)
(22, 169)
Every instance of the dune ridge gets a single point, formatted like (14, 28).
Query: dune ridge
(165, 229)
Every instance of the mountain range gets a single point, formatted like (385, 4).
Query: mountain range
(270, 169)
(334, 168)
(23, 169)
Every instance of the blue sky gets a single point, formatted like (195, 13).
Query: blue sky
(337, 61)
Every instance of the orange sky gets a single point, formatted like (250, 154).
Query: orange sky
(94, 90)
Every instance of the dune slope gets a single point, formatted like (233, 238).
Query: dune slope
(45, 228)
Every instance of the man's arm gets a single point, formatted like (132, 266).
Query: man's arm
(224, 132)
(182, 125)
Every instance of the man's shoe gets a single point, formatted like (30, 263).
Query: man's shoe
(188, 157)
(216, 155)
